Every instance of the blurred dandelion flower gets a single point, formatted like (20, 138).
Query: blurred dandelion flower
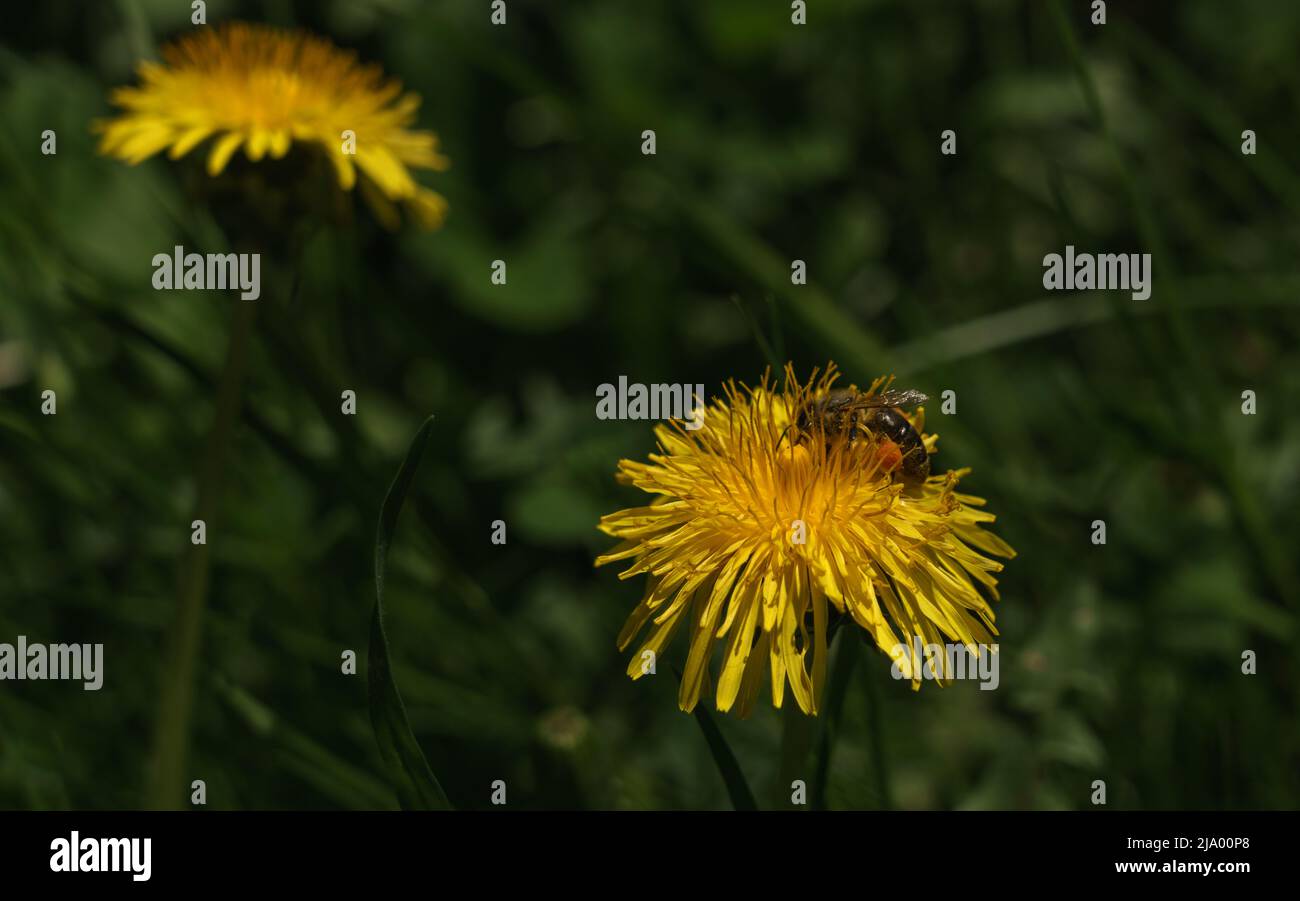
(723, 561)
(264, 89)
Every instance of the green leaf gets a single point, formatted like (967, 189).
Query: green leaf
(741, 797)
(416, 785)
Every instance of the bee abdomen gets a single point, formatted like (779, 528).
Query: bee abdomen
(889, 422)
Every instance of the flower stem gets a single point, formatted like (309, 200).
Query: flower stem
(875, 727)
(797, 730)
(167, 781)
(846, 656)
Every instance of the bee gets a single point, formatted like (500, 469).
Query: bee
(847, 413)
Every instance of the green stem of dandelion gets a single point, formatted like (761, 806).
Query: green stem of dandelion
(876, 731)
(166, 788)
(137, 31)
(798, 732)
(846, 657)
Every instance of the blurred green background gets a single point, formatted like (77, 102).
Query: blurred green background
(775, 142)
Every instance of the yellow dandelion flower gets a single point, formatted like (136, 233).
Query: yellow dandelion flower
(766, 528)
(263, 89)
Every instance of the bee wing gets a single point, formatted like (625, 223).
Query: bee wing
(897, 397)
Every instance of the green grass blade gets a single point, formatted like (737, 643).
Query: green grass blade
(737, 788)
(416, 785)
(345, 784)
(857, 351)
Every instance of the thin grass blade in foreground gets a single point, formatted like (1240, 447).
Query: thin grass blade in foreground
(728, 766)
(737, 788)
(413, 780)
